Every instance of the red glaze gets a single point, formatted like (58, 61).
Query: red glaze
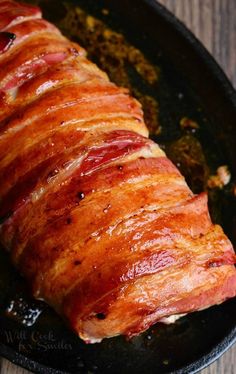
(53, 205)
(53, 78)
(36, 67)
(30, 28)
(38, 54)
(110, 150)
(12, 13)
(118, 144)
(220, 291)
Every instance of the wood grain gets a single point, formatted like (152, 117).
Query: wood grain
(214, 23)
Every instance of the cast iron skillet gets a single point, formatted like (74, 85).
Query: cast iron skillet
(191, 84)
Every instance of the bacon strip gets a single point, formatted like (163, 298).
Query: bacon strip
(94, 215)
(12, 13)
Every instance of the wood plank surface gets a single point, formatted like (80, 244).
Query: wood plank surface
(214, 23)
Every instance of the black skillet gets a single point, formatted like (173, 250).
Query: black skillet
(191, 85)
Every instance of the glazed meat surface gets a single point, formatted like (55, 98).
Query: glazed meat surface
(94, 215)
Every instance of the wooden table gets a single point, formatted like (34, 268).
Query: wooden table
(214, 23)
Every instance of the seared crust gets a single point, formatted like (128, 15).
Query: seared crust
(94, 215)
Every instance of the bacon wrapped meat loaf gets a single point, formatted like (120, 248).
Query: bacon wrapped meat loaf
(94, 215)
